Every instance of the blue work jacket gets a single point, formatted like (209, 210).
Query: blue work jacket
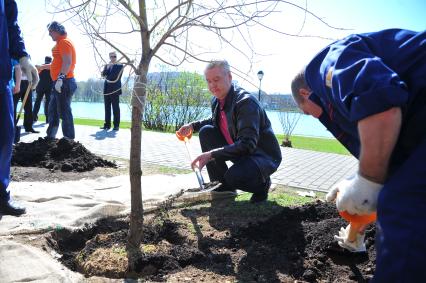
(11, 42)
(365, 74)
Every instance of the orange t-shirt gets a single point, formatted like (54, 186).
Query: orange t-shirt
(63, 46)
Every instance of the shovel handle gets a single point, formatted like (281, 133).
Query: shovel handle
(23, 103)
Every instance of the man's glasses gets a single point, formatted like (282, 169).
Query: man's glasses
(113, 56)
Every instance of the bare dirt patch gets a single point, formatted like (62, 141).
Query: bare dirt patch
(218, 241)
(213, 243)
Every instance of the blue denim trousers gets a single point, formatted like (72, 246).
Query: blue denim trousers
(6, 137)
(60, 108)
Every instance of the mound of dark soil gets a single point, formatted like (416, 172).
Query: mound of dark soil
(63, 154)
(209, 244)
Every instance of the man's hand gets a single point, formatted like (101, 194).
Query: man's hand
(201, 160)
(29, 70)
(58, 85)
(59, 82)
(332, 194)
(185, 131)
(357, 195)
(16, 89)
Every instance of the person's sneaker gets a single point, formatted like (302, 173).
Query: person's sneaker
(31, 131)
(223, 191)
(105, 128)
(262, 196)
(11, 208)
(115, 128)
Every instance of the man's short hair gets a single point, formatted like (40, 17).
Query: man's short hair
(219, 63)
(298, 83)
(47, 60)
(55, 26)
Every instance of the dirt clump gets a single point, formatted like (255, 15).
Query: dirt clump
(219, 242)
(64, 154)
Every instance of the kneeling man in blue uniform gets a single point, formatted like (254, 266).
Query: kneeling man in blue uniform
(369, 90)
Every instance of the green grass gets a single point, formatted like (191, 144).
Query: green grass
(300, 142)
(282, 199)
(276, 202)
(316, 144)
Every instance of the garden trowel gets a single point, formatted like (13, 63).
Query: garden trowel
(197, 171)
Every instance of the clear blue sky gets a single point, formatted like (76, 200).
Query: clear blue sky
(282, 55)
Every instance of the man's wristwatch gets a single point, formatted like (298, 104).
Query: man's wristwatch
(61, 76)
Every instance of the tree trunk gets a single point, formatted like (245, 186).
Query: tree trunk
(135, 171)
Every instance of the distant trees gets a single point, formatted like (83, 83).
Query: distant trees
(175, 99)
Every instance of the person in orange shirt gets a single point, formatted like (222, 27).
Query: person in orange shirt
(64, 85)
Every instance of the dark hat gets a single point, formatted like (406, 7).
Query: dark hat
(47, 60)
(55, 26)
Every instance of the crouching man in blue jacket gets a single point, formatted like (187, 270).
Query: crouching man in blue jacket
(369, 90)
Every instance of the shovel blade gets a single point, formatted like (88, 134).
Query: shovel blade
(17, 134)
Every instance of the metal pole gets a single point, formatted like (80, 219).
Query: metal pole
(260, 88)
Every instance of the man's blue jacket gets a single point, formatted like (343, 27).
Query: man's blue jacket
(11, 43)
(365, 74)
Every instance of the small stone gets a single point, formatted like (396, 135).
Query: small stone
(309, 275)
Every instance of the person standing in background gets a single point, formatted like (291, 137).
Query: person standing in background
(44, 88)
(15, 82)
(11, 46)
(64, 85)
(28, 107)
(112, 90)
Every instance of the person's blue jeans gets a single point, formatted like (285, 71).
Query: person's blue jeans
(60, 108)
(6, 137)
(242, 175)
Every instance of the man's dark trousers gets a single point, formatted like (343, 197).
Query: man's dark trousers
(114, 101)
(242, 175)
(6, 137)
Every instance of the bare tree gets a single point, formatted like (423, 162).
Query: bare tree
(289, 115)
(167, 31)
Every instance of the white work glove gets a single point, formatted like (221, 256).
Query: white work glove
(357, 195)
(357, 246)
(332, 194)
(58, 85)
(29, 70)
(59, 82)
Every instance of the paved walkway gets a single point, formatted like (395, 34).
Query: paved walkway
(300, 168)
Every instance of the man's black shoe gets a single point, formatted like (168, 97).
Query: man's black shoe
(105, 128)
(31, 131)
(263, 195)
(11, 208)
(259, 197)
(222, 191)
(115, 128)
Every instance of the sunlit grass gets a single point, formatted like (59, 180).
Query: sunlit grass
(316, 144)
